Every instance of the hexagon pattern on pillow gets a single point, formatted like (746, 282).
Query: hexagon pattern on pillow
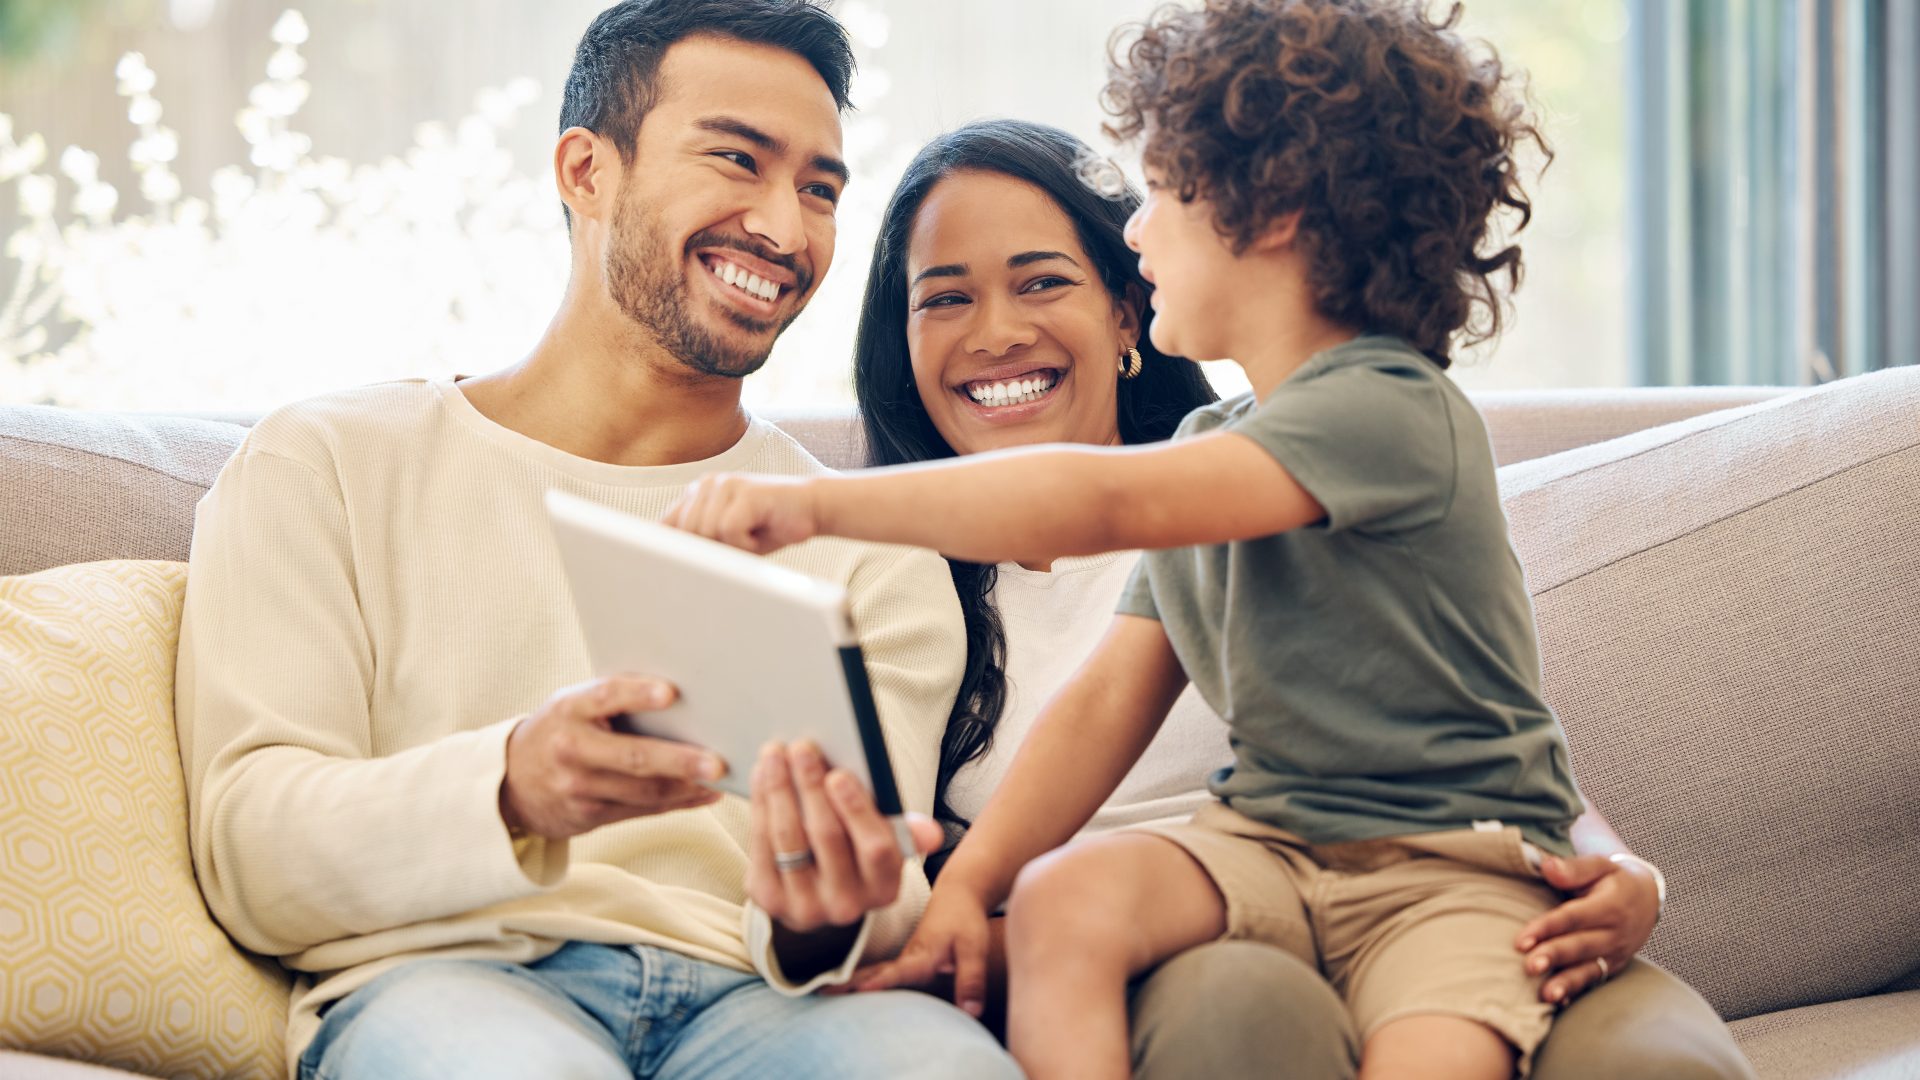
(107, 952)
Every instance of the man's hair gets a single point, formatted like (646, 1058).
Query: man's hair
(617, 64)
(1388, 132)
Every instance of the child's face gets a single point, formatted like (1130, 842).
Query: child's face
(1195, 276)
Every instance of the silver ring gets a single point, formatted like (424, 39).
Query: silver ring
(1605, 972)
(788, 862)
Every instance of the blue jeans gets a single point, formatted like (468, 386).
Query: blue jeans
(593, 1011)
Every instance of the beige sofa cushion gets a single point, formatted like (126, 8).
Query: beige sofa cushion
(1871, 1038)
(34, 1067)
(83, 486)
(1730, 626)
(1527, 424)
(109, 953)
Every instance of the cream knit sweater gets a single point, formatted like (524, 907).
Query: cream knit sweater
(374, 599)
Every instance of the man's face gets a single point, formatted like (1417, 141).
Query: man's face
(725, 219)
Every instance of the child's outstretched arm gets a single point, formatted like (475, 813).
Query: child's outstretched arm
(1079, 750)
(1026, 505)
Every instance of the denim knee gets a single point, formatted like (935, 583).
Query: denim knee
(474, 1019)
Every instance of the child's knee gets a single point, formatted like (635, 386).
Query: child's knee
(1064, 895)
(1437, 1045)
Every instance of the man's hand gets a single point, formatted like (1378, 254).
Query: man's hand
(569, 772)
(840, 856)
(760, 514)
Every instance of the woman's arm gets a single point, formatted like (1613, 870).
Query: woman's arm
(1024, 505)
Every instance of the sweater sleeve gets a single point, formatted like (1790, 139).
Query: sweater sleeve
(300, 833)
(908, 621)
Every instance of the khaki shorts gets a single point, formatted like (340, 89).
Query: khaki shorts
(1400, 926)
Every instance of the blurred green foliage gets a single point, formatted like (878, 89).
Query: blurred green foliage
(28, 26)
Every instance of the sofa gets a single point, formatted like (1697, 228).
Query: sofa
(1727, 584)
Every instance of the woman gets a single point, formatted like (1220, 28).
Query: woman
(1003, 308)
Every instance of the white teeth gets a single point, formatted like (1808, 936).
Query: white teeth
(1012, 392)
(747, 282)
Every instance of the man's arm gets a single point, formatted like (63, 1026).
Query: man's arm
(300, 834)
(303, 831)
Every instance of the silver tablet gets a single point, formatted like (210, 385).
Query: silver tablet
(759, 652)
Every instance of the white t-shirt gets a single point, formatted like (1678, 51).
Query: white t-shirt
(1053, 620)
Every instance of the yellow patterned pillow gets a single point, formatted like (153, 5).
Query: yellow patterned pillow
(107, 953)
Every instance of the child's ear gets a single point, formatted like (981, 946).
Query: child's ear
(1129, 306)
(1280, 235)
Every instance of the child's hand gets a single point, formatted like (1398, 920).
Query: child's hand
(758, 513)
(953, 938)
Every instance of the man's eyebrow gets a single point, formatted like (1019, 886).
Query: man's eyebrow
(1026, 257)
(727, 125)
(943, 270)
(834, 167)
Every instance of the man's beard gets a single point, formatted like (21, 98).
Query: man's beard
(651, 288)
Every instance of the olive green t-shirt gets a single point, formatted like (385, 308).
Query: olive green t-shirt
(1379, 669)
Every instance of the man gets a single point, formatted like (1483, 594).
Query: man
(472, 872)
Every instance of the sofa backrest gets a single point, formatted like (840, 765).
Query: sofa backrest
(82, 486)
(79, 486)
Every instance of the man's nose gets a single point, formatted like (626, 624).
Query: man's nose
(776, 218)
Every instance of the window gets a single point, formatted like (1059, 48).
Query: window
(382, 208)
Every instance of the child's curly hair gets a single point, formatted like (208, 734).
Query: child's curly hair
(1391, 137)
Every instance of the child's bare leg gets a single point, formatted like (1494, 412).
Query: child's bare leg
(1436, 1046)
(1081, 923)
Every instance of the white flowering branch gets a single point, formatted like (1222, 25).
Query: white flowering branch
(294, 274)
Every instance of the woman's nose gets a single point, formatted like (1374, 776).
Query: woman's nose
(999, 327)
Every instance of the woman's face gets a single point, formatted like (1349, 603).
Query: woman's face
(1014, 337)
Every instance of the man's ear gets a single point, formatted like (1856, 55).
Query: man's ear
(1279, 235)
(1129, 306)
(584, 168)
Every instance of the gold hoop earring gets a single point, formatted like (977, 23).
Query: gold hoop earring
(1130, 364)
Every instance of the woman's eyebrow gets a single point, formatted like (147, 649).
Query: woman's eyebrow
(1024, 258)
(1014, 262)
(943, 270)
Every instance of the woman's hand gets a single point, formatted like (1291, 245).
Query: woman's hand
(760, 514)
(953, 939)
(1610, 917)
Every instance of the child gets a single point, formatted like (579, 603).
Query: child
(1328, 561)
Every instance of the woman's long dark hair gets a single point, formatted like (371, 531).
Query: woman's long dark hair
(900, 431)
